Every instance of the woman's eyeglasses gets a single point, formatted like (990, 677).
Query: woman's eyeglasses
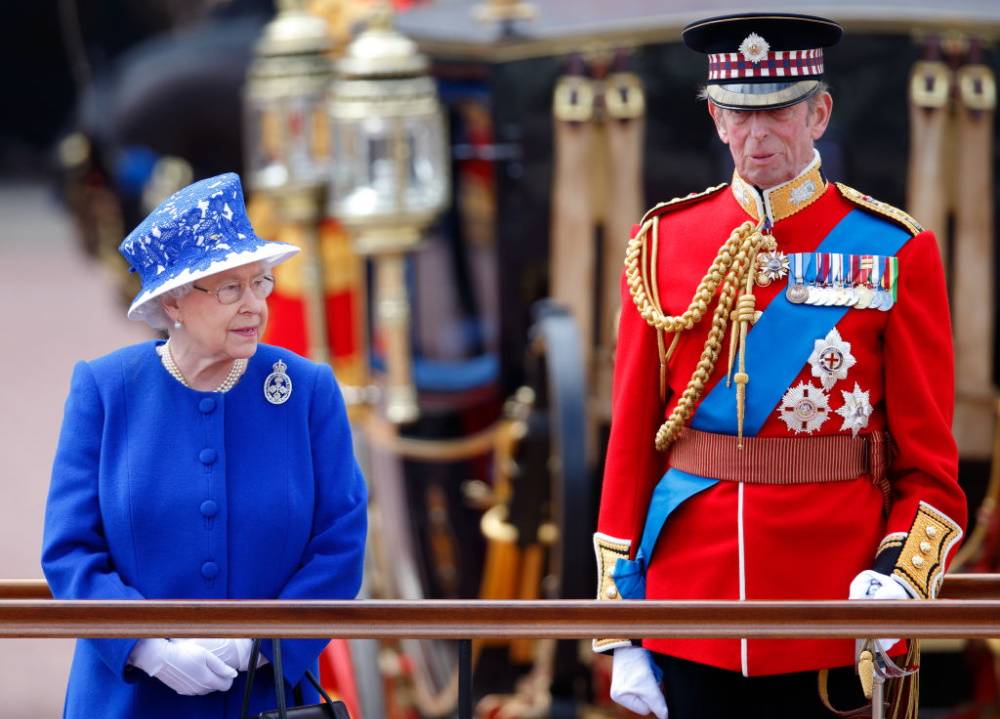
(261, 287)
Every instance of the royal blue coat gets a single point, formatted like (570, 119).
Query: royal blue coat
(163, 492)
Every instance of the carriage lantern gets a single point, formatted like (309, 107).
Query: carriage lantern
(390, 178)
(287, 138)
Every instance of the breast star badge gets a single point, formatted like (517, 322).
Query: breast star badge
(856, 410)
(830, 359)
(771, 266)
(804, 408)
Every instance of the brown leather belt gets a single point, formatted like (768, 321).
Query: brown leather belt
(783, 460)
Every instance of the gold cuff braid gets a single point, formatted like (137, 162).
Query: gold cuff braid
(921, 562)
(608, 550)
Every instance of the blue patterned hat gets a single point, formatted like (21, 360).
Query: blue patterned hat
(196, 232)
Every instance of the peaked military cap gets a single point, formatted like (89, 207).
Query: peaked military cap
(759, 61)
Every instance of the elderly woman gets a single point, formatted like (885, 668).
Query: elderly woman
(209, 466)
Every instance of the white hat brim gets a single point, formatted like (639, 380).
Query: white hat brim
(271, 253)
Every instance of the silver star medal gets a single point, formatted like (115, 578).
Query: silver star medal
(882, 300)
(845, 296)
(856, 410)
(797, 292)
(278, 385)
(804, 408)
(866, 295)
(817, 286)
(831, 358)
(887, 272)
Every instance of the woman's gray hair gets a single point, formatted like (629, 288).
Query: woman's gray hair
(158, 318)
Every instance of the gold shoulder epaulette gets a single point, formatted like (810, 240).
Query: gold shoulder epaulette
(679, 202)
(881, 208)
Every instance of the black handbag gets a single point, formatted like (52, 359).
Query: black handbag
(328, 710)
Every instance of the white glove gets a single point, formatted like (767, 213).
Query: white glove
(633, 684)
(183, 666)
(234, 652)
(870, 584)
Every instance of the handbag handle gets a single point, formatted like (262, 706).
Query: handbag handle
(279, 680)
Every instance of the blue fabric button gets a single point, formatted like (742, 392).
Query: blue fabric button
(209, 508)
(209, 570)
(208, 455)
(207, 405)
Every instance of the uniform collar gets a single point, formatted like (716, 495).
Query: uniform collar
(784, 200)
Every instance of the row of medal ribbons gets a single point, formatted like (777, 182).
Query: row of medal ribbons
(836, 279)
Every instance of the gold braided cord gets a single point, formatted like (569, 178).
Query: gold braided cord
(746, 309)
(905, 688)
(654, 286)
(638, 282)
(731, 268)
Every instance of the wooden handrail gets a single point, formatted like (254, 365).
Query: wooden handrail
(956, 586)
(437, 619)
(24, 589)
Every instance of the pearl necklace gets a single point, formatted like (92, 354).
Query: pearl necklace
(235, 372)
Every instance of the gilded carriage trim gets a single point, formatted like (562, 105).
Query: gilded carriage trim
(921, 562)
(608, 551)
(677, 202)
(881, 208)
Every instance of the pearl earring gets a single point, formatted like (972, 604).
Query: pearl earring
(178, 324)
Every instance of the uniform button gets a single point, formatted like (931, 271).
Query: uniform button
(917, 560)
(931, 531)
(925, 547)
(207, 405)
(209, 570)
(208, 455)
(209, 508)
(611, 592)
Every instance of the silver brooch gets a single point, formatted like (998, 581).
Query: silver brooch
(278, 385)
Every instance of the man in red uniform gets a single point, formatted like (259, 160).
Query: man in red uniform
(799, 446)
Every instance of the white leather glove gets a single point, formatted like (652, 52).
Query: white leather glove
(234, 652)
(633, 683)
(870, 584)
(183, 666)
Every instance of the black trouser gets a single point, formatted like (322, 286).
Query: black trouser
(698, 691)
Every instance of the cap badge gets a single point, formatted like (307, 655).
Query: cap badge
(278, 385)
(754, 48)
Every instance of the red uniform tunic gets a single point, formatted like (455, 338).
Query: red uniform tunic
(737, 541)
